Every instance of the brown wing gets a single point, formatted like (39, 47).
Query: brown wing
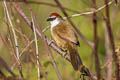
(64, 31)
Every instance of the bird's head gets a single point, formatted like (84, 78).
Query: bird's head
(54, 19)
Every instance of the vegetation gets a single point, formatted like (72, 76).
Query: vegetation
(25, 35)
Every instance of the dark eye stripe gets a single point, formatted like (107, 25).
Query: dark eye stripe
(51, 19)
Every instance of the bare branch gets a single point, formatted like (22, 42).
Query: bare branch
(15, 38)
(53, 45)
(110, 34)
(97, 63)
(91, 12)
(109, 59)
(37, 52)
(46, 45)
(2, 62)
(41, 3)
(82, 14)
(12, 67)
(44, 30)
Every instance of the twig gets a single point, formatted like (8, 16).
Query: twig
(12, 67)
(36, 44)
(10, 50)
(53, 45)
(109, 59)
(15, 39)
(14, 33)
(46, 45)
(29, 45)
(44, 30)
(5, 65)
(41, 3)
(97, 63)
(53, 5)
(91, 12)
(108, 25)
(49, 53)
(82, 14)
(107, 63)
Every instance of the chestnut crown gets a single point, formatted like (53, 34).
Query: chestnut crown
(53, 16)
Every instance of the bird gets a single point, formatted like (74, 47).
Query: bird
(65, 38)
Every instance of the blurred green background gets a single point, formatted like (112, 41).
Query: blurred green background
(84, 23)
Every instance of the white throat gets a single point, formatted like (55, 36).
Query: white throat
(55, 22)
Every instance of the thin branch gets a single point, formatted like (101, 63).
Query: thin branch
(12, 67)
(107, 63)
(109, 59)
(29, 46)
(52, 45)
(7, 46)
(91, 12)
(15, 39)
(5, 65)
(50, 54)
(37, 52)
(56, 6)
(97, 63)
(82, 14)
(14, 33)
(110, 34)
(41, 3)
(26, 19)
(46, 45)
(44, 30)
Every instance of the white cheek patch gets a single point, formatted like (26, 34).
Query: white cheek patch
(54, 23)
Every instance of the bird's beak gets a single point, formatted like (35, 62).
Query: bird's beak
(49, 19)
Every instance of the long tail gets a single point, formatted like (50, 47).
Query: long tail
(75, 58)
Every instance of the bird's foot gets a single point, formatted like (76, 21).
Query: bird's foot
(82, 76)
(51, 41)
(65, 54)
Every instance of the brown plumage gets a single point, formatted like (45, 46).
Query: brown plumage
(66, 38)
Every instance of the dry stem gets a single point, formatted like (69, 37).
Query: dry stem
(15, 39)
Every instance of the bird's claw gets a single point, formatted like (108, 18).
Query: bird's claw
(65, 54)
(51, 41)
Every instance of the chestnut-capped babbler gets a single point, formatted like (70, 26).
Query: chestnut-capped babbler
(66, 38)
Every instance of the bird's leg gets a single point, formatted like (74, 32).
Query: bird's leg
(65, 50)
(82, 76)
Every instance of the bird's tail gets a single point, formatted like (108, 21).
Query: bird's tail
(76, 60)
